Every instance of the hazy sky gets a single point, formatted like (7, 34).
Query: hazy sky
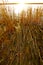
(28, 1)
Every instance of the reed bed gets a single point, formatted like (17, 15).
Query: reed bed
(21, 37)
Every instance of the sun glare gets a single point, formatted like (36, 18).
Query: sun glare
(17, 1)
(21, 5)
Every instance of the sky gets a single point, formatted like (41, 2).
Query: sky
(26, 1)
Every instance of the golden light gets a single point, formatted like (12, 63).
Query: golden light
(17, 1)
(20, 6)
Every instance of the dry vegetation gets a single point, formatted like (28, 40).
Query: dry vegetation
(21, 38)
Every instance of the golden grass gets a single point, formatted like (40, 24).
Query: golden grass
(21, 38)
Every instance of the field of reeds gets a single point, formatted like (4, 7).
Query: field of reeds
(21, 37)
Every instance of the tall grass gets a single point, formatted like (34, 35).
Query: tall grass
(21, 37)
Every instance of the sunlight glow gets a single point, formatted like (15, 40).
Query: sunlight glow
(21, 4)
(20, 7)
(25, 1)
(18, 1)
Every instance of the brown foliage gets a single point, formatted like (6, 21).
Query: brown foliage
(21, 38)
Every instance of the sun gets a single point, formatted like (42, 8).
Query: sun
(20, 6)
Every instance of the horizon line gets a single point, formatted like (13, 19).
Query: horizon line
(19, 3)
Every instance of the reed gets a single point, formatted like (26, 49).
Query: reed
(21, 37)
